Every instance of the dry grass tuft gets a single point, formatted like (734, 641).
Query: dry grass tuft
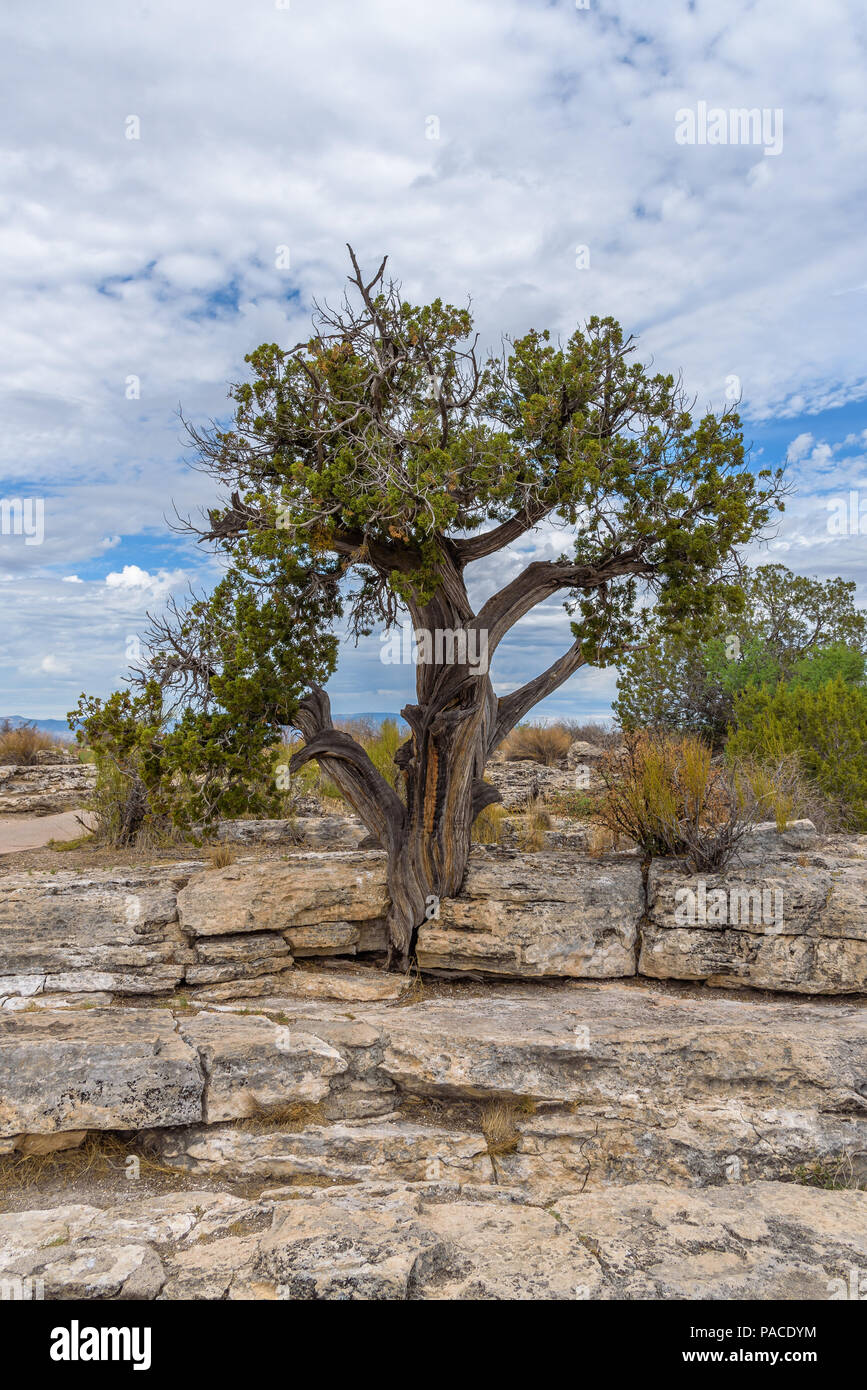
(100, 1155)
(540, 743)
(535, 822)
(601, 840)
(19, 746)
(489, 824)
(292, 1115)
(220, 856)
(499, 1128)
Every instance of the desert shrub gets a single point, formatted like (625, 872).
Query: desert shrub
(118, 807)
(540, 743)
(489, 825)
(600, 735)
(19, 745)
(782, 791)
(671, 797)
(825, 726)
(159, 780)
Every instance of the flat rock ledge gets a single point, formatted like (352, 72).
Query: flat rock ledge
(591, 1085)
(437, 1241)
(41, 789)
(790, 917)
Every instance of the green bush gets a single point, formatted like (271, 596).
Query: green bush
(789, 628)
(825, 725)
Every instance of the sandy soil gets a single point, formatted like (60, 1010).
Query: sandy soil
(32, 832)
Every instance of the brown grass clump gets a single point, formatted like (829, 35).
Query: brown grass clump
(489, 824)
(220, 855)
(100, 1155)
(291, 1115)
(19, 746)
(498, 1122)
(601, 840)
(540, 743)
(536, 821)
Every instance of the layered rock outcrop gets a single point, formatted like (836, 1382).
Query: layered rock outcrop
(783, 919)
(595, 1083)
(786, 918)
(41, 789)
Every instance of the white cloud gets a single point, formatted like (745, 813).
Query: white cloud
(130, 577)
(799, 447)
(134, 579)
(53, 667)
(306, 127)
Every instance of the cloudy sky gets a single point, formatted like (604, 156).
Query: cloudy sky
(158, 160)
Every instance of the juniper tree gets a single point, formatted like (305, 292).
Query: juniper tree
(784, 627)
(387, 444)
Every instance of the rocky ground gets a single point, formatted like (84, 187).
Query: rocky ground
(549, 1140)
(210, 1088)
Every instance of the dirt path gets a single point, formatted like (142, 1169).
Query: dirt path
(32, 832)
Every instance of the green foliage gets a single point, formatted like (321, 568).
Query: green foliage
(195, 743)
(788, 628)
(824, 724)
(384, 434)
(826, 664)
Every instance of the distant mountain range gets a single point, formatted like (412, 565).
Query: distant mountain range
(60, 726)
(48, 726)
(375, 717)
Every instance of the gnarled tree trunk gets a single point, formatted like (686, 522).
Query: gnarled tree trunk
(427, 833)
(455, 725)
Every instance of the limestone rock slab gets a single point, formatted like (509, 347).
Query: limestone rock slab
(95, 1069)
(542, 914)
